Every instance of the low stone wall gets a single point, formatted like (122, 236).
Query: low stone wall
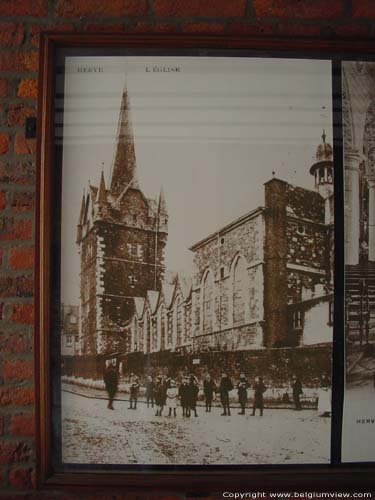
(276, 366)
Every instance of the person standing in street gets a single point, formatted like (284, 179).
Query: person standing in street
(150, 392)
(172, 398)
(111, 383)
(259, 389)
(134, 388)
(183, 394)
(209, 388)
(325, 397)
(193, 391)
(242, 387)
(297, 391)
(225, 387)
(159, 396)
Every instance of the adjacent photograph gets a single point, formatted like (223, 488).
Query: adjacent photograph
(358, 83)
(197, 259)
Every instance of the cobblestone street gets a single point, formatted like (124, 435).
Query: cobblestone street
(93, 434)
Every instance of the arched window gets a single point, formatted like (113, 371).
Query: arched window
(146, 333)
(208, 306)
(239, 291)
(178, 321)
(162, 327)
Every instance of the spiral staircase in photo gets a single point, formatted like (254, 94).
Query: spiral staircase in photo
(360, 321)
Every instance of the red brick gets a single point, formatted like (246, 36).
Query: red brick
(28, 88)
(23, 479)
(77, 8)
(22, 313)
(3, 200)
(105, 28)
(19, 61)
(294, 29)
(3, 87)
(1, 425)
(17, 370)
(308, 9)
(23, 201)
(16, 286)
(24, 8)
(217, 8)
(251, 28)
(22, 425)
(37, 29)
(203, 27)
(15, 229)
(23, 146)
(363, 8)
(12, 343)
(148, 27)
(18, 113)
(353, 30)
(19, 173)
(17, 396)
(4, 143)
(13, 452)
(11, 34)
(21, 257)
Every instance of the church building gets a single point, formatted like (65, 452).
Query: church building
(263, 281)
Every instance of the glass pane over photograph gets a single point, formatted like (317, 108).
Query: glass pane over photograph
(197, 261)
(358, 105)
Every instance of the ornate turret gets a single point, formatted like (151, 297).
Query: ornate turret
(322, 170)
(124, 167)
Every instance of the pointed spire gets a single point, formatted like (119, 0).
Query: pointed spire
(82, 211)
(81, 217)
(324, 136)
(102, 195)
(124, 166)
(162, 209)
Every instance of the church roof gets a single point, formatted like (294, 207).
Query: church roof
(139, 306)
(153, 297)
(168, 291)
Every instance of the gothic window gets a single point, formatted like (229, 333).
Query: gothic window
(162, 328)
(147, 328)
(222, 272)
(154, 330)
(239, 291)
(68, 340)
(139, 251)
(187, 322)
(179, 321)
(208, 289)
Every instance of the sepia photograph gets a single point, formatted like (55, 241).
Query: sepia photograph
(197, 259)
(358, 79)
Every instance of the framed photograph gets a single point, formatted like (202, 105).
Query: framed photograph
(201, 317)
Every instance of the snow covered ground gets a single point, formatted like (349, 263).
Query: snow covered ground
(93, 434)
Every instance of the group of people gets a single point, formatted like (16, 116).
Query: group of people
(164, 392)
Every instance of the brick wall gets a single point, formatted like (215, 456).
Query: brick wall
(20, 24)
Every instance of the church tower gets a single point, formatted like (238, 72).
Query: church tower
(322, 170)
(323, 173)
(121, 236)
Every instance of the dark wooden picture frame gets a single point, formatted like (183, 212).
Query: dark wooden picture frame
(334, 476)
